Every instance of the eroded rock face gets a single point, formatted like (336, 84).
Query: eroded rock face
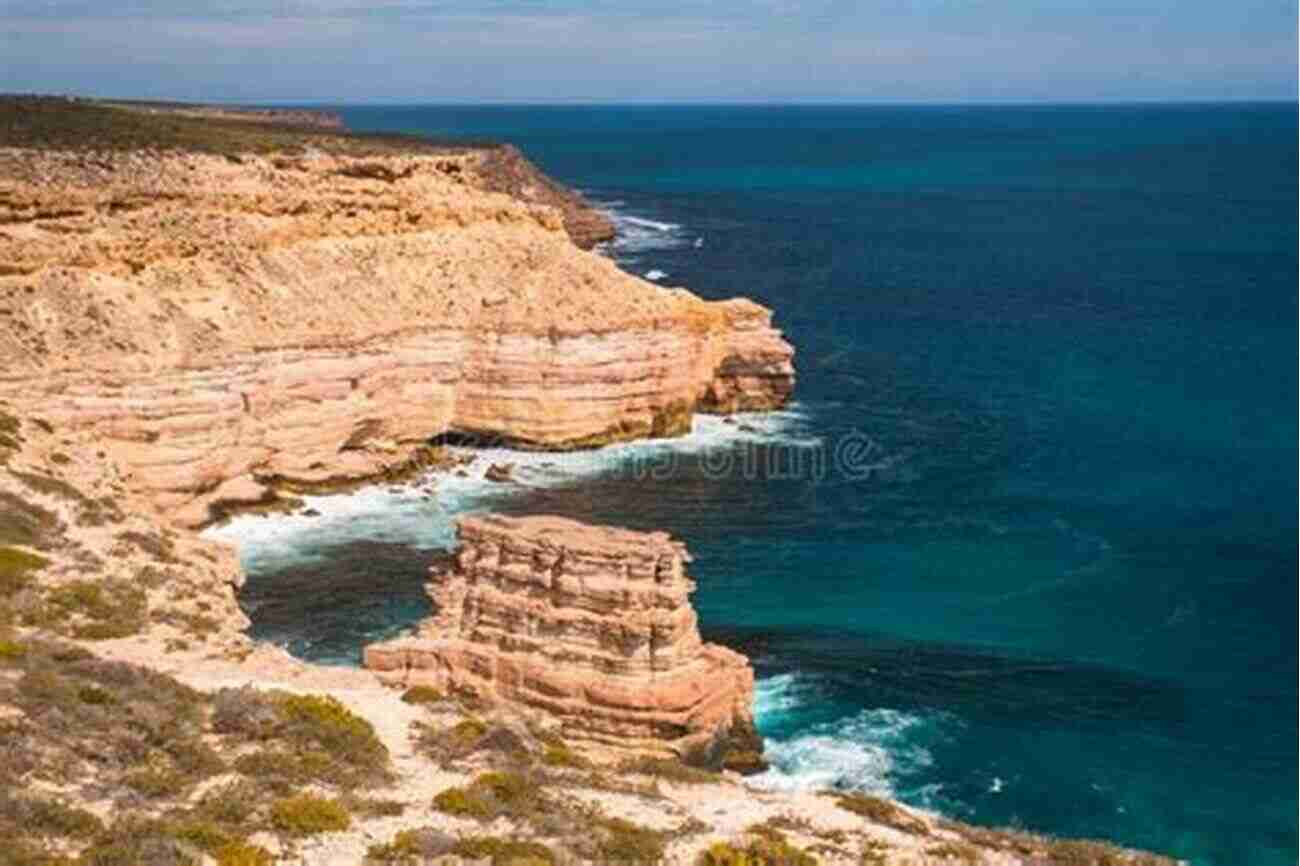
(505, 169)
(591, 624)
(219, 328)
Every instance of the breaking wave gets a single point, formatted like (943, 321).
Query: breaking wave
(421, 513)
(874, 750)
(637, 234)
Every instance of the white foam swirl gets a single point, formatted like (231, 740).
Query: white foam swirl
(868, 751)
(638, 234)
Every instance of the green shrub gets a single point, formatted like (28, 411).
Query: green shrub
(491, 795)
(16, 569)
(156, 782)
(40, 816)
(463, 803)
(457, 741)
(95, 695)
(667, 770)
(620, 841)
(423, 695)
(322, 722)
(311, 739)
(194, 757)
(373, 807)
(242, 854)
(410, 847)
(282, 770)
(306, 814)
(505, 852)
(11, 650)
(466, 732)
(246, 712)
(769, 848)
(201, 833)
(135, 841)
(231, 803)
(559, 755)
(114, 608)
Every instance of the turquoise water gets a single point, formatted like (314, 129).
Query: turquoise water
(1056, 587)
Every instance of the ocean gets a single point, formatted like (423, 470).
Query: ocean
(1023, 551)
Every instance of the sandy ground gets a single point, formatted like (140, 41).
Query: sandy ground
(727, 808)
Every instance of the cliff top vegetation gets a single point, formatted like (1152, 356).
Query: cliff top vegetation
(63, 123)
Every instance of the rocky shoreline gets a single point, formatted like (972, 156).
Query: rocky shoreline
(201, 312)
(222, 329)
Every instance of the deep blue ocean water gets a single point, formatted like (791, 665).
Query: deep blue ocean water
(1058, 346)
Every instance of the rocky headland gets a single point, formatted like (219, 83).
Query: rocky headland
(227, 326)
(202, 311)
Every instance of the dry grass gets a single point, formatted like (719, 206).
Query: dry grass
(16, 570)
(881, 811)
(25, 524)
(761, 846)
(90, 609)
(667, 770)
(144, 741)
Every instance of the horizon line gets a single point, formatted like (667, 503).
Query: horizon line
(685, 103)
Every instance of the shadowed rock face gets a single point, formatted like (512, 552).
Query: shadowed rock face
(222, 327)
(591, 624)
(505, 169)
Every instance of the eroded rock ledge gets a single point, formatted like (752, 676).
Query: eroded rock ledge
(590, 624)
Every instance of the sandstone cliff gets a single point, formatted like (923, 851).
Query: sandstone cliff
(591, 624)
(220, 326)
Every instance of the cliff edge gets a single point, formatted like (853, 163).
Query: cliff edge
(243, 313)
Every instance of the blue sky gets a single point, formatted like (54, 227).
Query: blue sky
(648, 51)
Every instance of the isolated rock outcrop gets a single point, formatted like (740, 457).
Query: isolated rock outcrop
(590, 624)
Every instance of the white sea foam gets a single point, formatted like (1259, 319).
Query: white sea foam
(776, 696)
(643, 223)
(865, 752)
(421, 514)
(638, 234)
(655, 274)
(869, 751)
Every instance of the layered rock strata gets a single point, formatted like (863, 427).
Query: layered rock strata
(590, 624)
(220, 327)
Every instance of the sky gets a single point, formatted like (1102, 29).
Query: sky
(651, 50)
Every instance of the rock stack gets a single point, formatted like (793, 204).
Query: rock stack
(590, 624)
